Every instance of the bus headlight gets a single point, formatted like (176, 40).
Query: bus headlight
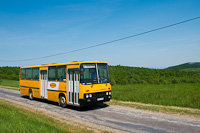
(86, 95)
(109, 92)
(90, 95)
(106, 93)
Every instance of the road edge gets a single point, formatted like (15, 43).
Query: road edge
(149, 107)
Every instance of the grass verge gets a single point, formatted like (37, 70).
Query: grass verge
(10, 83)
(8, 87)
(181, 95)
(158, 108)
(16, 119)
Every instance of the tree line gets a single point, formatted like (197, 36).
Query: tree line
(129, 75)
(11, 73)
(133, 75)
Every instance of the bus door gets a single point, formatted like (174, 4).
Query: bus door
(43, 83)
(73, 87)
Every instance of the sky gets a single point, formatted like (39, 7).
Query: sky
(37, 28)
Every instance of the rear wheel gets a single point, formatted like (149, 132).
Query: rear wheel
(30, 94)
(62, 101)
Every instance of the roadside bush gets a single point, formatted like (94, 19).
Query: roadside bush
(113, 81)
(11, 73)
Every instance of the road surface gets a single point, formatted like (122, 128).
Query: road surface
(111, 117)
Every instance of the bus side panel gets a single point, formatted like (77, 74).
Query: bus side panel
(62, 86)
(53, 96)
(29, 83)
(62, 89)
(25, 85)
(36, 93)
(24, 90)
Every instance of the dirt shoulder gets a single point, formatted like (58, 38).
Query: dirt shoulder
(159, 108)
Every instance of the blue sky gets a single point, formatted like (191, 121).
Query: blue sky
(37, 28)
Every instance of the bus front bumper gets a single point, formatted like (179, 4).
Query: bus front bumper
(96, 97)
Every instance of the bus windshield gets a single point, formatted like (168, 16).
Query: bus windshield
(94, 73)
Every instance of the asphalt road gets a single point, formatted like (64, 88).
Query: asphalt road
(113, 118)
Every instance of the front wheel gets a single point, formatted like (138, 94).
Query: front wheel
(62, 101)
(30, 94)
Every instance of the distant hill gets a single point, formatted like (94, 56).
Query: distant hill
(191, 66)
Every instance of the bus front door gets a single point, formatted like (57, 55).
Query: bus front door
(43, 84)
(73, 87)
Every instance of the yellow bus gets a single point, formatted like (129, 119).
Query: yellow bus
(76, 83)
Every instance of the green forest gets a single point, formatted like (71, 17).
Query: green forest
(132, 75)
(122, 75)
(11, 73)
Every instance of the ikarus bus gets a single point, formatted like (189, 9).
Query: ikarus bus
(76, 83)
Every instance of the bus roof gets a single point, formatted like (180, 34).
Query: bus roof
(58, 64)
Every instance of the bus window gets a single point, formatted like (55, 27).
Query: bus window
(28, 73)
(103, 73)
(23, 72)
(90, 75)
(52, 73)
(61, 70)
(35, 74)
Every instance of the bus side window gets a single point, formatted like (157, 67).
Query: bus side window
(61, 73)
(35, 74)
(52, 73)
(23, 73)
(28, 73)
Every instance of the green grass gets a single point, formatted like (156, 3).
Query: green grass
(15, 119)
(12, 83)
(182, 95)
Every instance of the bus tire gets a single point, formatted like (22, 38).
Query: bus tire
(30, 94)
(62, 101)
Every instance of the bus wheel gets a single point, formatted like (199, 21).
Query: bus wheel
(62, 101)
(30, 94)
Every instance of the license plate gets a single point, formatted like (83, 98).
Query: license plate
(100, 99)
